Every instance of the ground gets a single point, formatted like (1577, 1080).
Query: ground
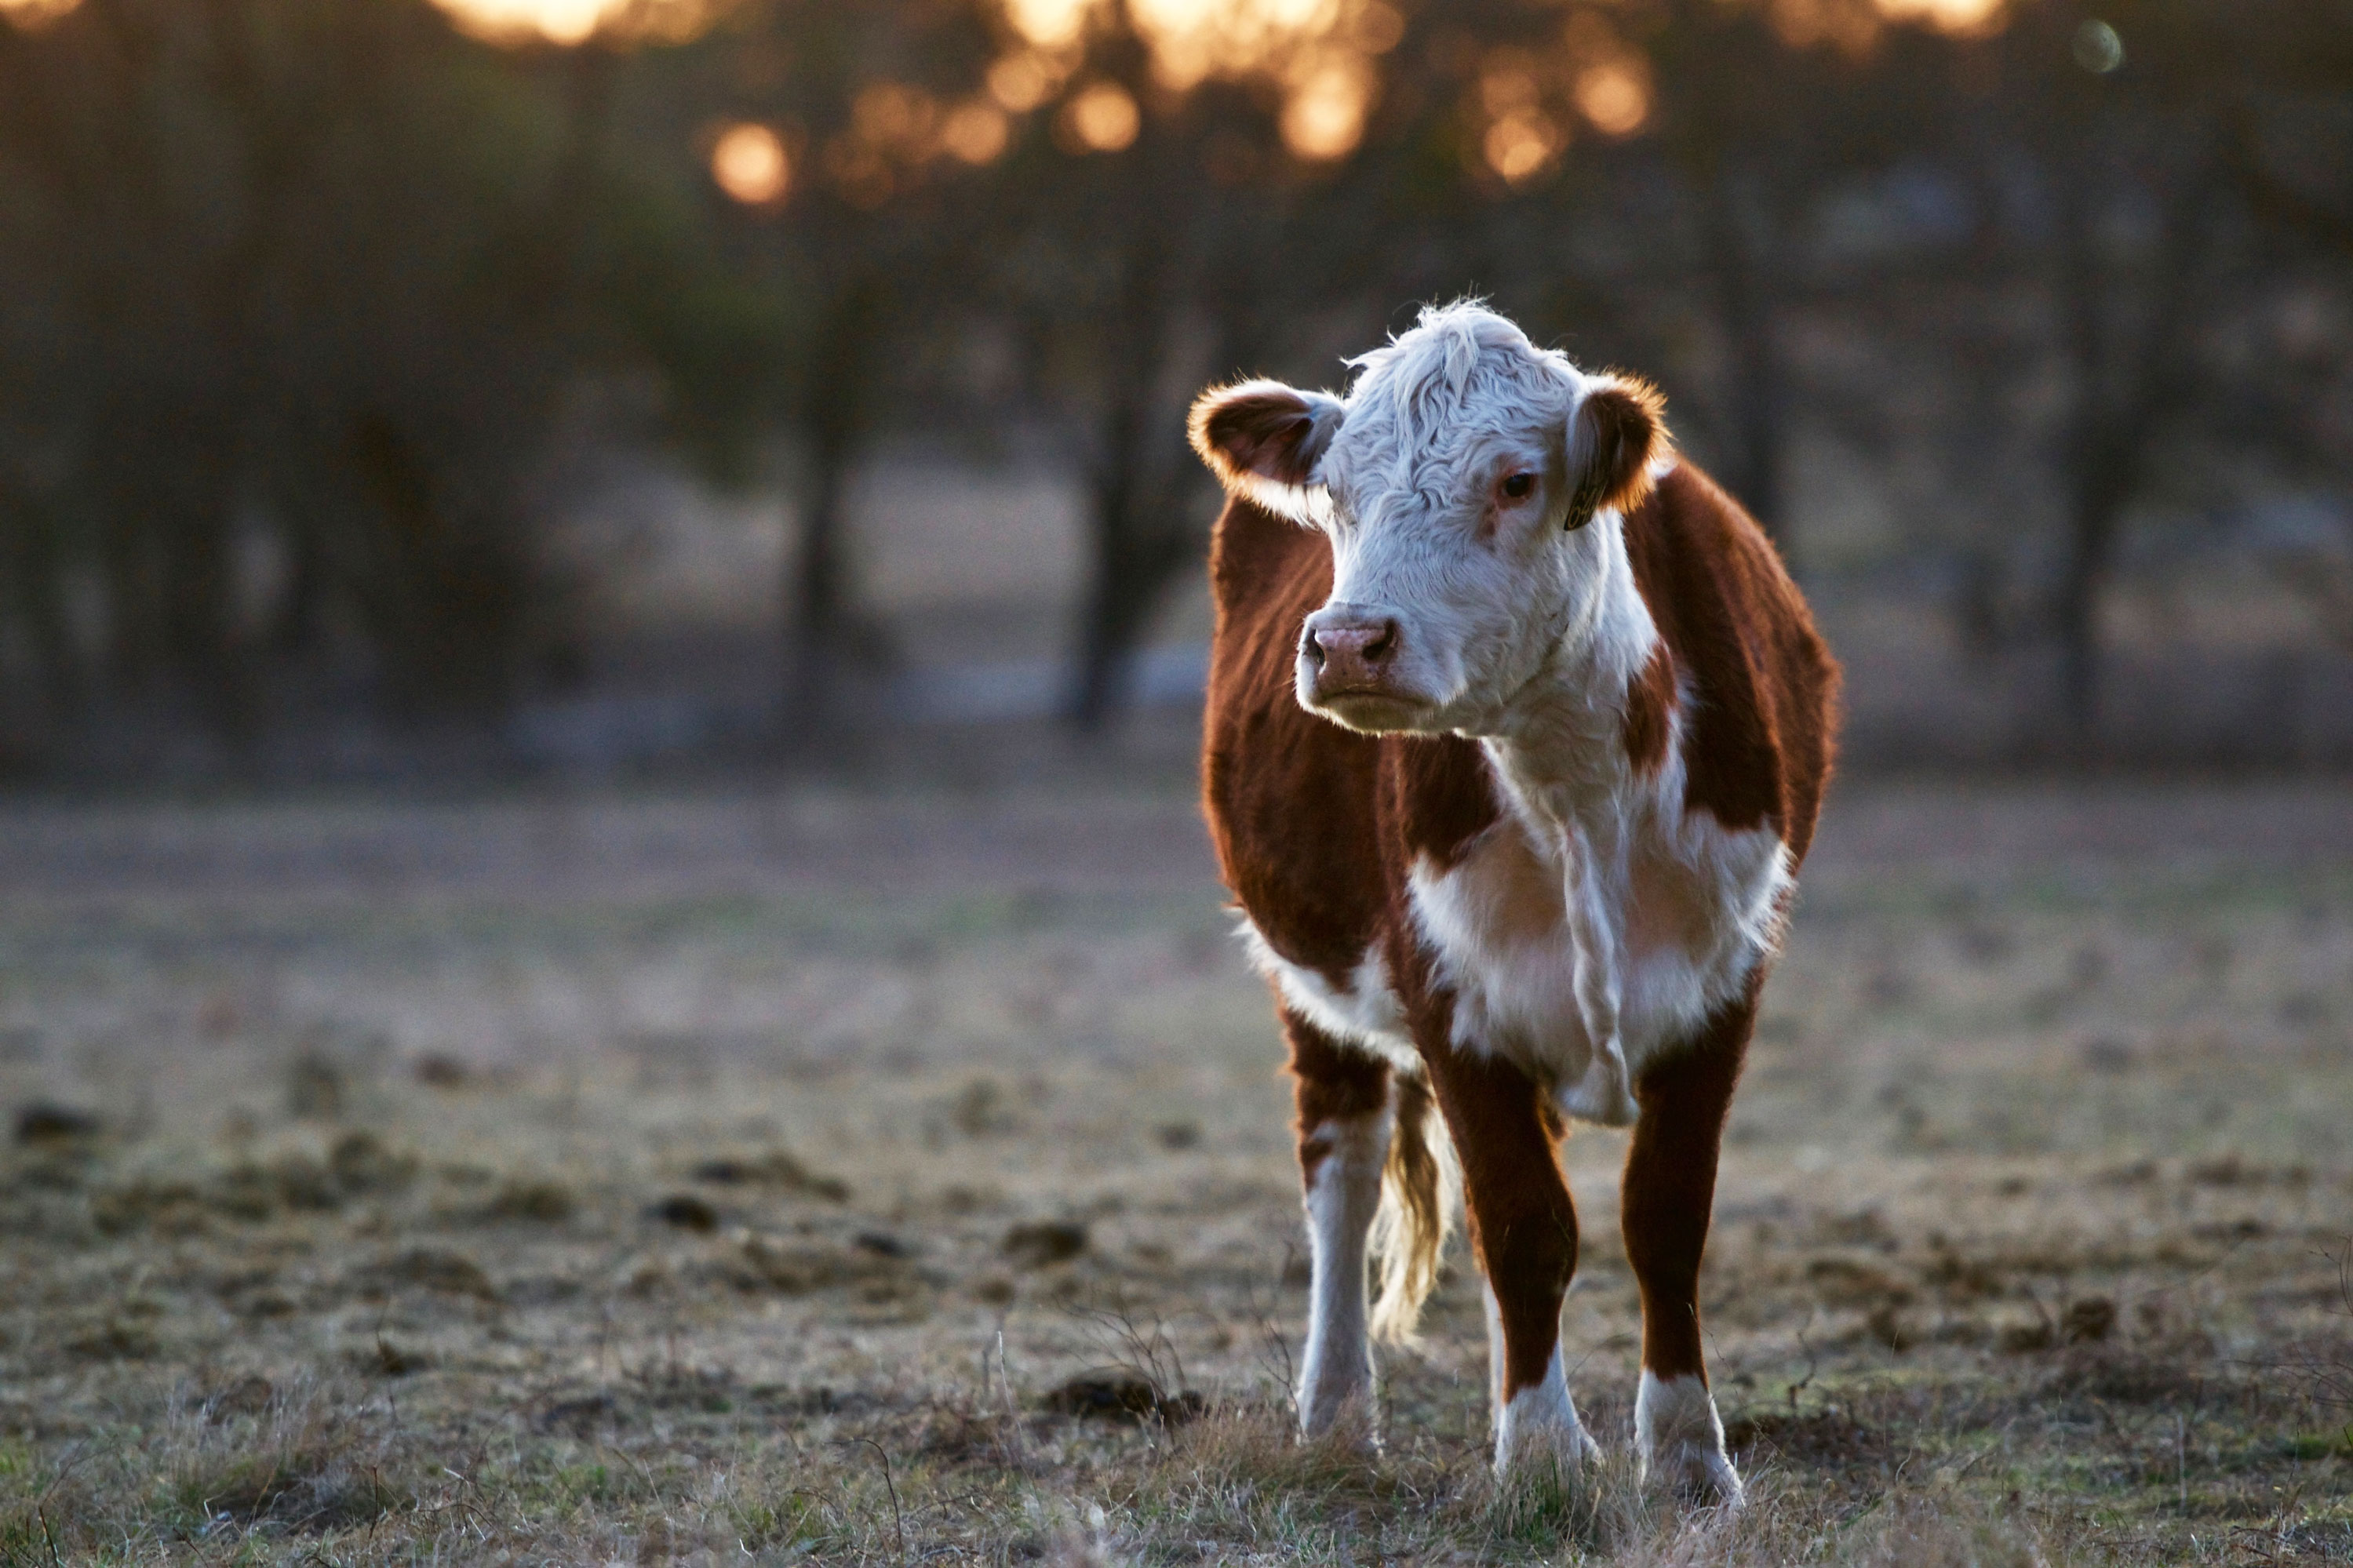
(903, 1176)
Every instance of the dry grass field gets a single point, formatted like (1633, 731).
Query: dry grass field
(904, 1177)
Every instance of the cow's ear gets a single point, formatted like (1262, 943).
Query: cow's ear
(1619, 433)
(1263, 439)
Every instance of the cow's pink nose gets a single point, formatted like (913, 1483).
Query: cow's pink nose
(1349, 654)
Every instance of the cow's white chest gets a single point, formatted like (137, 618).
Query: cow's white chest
(1702, 906)
(1699, 908)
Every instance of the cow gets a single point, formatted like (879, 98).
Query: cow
(1516, 732)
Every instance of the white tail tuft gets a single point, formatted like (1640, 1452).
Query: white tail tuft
(1421, 1185)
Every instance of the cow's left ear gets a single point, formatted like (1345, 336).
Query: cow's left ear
(1263, 439)
(1620, 430)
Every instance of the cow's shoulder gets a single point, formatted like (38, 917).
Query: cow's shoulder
(1290, 797)
(1758, 680)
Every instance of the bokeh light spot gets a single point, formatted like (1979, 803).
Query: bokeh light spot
(750, 164)
(1379, 27)
(1506, 87)
(1325, 116)
(1615, 97)
(1519, 145)
(896, 118)
(1023, 81)
(1050, 23)
(1102, 117)
(976, 133)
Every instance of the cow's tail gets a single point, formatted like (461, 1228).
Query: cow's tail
(1420, 1186)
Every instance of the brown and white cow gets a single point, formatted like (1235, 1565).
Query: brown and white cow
(1517, 734)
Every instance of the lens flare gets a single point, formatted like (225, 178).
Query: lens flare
(2098, 49)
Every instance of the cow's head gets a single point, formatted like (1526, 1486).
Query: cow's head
(1458, 480)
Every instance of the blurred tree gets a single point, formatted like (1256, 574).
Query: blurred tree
(309, 286)
(302, 306)
(854, 122)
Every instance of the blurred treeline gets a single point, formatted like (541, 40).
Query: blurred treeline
(306, 305)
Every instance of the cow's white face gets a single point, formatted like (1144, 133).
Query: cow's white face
(1456, 482)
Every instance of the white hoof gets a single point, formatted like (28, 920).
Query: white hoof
(1333, 1393)
(1681, 1441)
(1569, 1451)
(1537, 1430)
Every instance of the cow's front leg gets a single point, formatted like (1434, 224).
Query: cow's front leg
(1524, 1232)
(1343, 1140)
(1595, 898)
(1668, 1192)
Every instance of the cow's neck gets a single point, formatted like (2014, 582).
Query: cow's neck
(1560, 748)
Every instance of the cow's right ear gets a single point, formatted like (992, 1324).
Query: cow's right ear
(1263, 440)
(1621, 430)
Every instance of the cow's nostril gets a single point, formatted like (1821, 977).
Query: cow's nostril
(1384, 642)
(1310, 649)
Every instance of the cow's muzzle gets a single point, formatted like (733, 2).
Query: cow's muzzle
(1348, 659)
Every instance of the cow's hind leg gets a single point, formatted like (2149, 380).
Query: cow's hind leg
(1523, 1230)
(1343, 1140)
(1668, 1192)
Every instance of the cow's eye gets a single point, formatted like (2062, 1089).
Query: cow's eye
(1519, 487)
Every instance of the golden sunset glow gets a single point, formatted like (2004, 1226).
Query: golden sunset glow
(32, 14)
(750, 164)
(1191, 38)
(1963, 17)
(575, 21)
(566, 21)
(1320, 53)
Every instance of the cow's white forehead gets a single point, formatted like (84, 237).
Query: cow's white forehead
(1430, 404)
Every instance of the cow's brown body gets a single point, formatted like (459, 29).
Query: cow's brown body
(1317, 827)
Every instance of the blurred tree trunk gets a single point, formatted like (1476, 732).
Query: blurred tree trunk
(47, 691)
(1136, 542)
(40, 587)
(2127, 379)
(200, 601)
(1740, 237)
(839, 394)
(1141, 533)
